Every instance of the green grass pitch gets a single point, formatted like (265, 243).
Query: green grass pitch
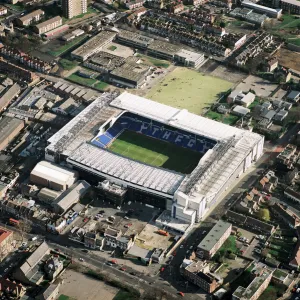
(155, 152)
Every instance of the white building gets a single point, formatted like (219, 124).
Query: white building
(271, 12)
(53, 176)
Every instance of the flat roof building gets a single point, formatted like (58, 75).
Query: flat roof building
(271, 12)
(9, 95)
(94, 45)
(130, 74)
(134, 39)
(189, 58)
(163, 49)
(214, 240)
(9, 129)
(198, 272)
(262, 277)
(48, 25)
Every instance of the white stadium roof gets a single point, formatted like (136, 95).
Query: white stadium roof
(106, 163)
(181, 119)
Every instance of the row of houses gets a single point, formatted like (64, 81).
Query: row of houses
(25, 59)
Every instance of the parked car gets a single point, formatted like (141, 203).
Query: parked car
(81, 259)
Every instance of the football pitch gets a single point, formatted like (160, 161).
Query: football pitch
(155, 152)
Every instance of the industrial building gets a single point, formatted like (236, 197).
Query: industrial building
(271, 12)
(9, 95)
(50, 175)
(214, 240)
(48, 25)
(163, 50)
(130, 74)
(227, 153)
(70, 196)
(9, 129)
(73, 8)
(94, 45)
(133, 39)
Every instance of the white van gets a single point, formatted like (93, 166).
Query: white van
(34, 238)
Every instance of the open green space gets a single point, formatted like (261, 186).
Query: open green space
(16, 7)
(112, 48)
(82, 80)
(122, 295)
(155, 152)
(101, 85)
(64, 297)
(89, 82)
(66, 47)
(68, 64)
(154, 61)
(187, 89)
(272, 292)
(226, 119)
(288, 21)
(229, 246)
(294, 41)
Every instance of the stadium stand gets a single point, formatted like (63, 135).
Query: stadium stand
(155, 130)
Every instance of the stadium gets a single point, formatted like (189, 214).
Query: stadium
(140, 150)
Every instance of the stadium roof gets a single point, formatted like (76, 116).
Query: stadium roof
(104, 162)
(175, 117)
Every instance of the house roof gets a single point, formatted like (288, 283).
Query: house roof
(293, 94)
(4, 234)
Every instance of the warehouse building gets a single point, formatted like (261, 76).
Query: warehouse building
(163, 50)
(53, 176)
(9, 129)
(48, 25)
(10, 94)
(271, 12)
(70, 196)
(94, 45)
(134, 40)
(130, 74)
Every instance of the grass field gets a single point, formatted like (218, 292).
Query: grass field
(89, 82)
(66, 47)
(68, 64)
(155, 152)
(185, 88)
(154, 61)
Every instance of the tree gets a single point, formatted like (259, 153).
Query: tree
(222, 24)
(264, 214)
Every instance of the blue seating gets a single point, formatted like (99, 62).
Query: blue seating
(156, 130)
